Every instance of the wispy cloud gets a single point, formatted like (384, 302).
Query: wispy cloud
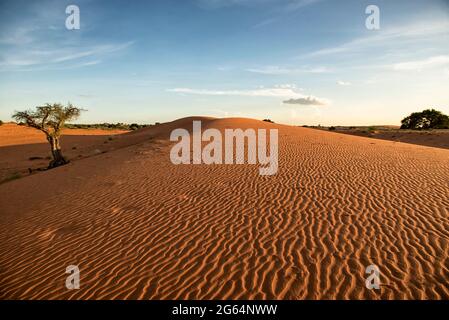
(18, 36)
(40, 41)
(281, 91)
(276, 70)
(393, 37)
(284, 5)
(16, 59)
(419, 65)
(299, 4)
(307, 101)
(288, 7)
(216, 4)
(343, 83)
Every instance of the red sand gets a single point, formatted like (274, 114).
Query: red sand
(140, 227)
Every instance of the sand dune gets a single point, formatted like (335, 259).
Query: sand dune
(140, 227)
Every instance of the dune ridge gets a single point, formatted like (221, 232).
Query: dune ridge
(140, 227)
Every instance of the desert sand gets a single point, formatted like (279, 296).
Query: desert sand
(438, 138)
(23, 148)
(140, 227)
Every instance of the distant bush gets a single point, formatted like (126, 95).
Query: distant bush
(268, 120)
(108, 126)
(427, 119)
(332, 128)
(1, 122)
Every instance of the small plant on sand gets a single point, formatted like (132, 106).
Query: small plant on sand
(12, 177)
(50, 119)
(268, 120)
(1, 122)
(428, 119)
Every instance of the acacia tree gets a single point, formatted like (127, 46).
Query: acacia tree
(50, 119)
(427, 119)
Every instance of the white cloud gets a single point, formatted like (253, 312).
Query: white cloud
(36, 58)
(343, 83)
(41, 42)
(276, 70)
(419, 65)
(298, 4)
(307, 101)
(280, 91)
(284, 6)
(393, 37)
(19, 36)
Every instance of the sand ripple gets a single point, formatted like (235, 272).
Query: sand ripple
(141, 228)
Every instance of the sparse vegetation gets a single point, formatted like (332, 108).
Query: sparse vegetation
(13, 176)
(268, 120)
(108, 126)
(332, 128)
(427, 119)
(50, 119)
(1, 122)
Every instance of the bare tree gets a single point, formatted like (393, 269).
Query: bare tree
(50, 119)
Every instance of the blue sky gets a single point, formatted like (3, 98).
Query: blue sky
(293, 61)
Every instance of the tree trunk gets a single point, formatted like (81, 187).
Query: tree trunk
(58, 158)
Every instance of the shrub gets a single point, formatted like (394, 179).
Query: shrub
(12, 177)
(332, 128)
(268, 120)
(427, 119)
(1, 122)
(107, 126)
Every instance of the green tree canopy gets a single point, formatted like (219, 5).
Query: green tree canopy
(50, 119)
(427, 119)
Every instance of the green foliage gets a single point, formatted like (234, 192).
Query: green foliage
(48, 118)
(427, 119)
(108, 126)
(12, 177)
